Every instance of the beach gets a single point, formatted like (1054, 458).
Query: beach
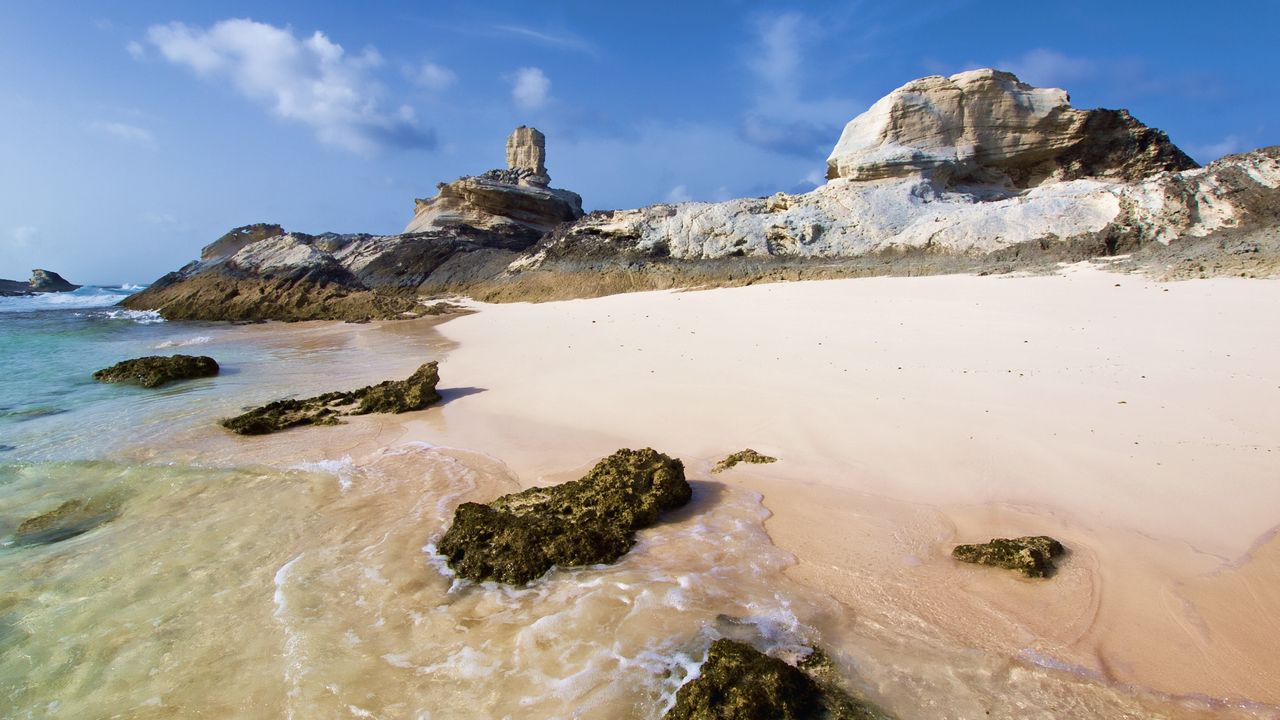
(1130, 419)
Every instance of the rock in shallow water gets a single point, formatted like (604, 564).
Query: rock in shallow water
(71, 518)
(519, 537)
(1032, 555)
(156, 370)
(390, 396)
(738, 682)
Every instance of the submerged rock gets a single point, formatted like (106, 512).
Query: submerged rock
(519, 537)
(71, 518)
(747, 456)
(1032, 555)
(156, 370)
(390, 396)
(738, 682)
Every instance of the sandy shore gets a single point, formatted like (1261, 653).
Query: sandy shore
(1133, 420)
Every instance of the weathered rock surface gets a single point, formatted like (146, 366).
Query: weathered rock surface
(237, 238)
(973, 173)
(738, 682)
(747, 456)
(390, 396)
(156, 370)
(1032, 556)
(42, 281)
(517, 538)
(986, 126)
(71, 518)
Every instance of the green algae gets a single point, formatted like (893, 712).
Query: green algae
(519, 537)
(1031, 555)
(747, 456)
(390, 396)
(155, 370)
(738, 682)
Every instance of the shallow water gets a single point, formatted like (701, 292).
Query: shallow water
(311, 590)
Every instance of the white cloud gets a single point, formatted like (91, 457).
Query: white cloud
(431, 76)
(780, 117)
(531, 88)
(23, 236)
(1043, 67)
(678, 194)
(135, 50)
(309, 80)
(125, 132)
(565, 40)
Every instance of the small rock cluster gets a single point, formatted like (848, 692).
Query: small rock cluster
(1032, 555)
(747, 456)
(391, 396)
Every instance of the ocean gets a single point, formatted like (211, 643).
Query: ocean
(296, 577)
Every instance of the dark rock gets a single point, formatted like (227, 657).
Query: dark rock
(517, 538)
(747, 456)
(1032, 555)
(50, 281)
(391, 396)
(71, 518)
(156, 370)
(738, 682)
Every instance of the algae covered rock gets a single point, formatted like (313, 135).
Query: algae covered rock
(71, 518)
(747, 456)
(738, 682)
(390, 396)
(1032, 555)
(518, 537)
(156, 370)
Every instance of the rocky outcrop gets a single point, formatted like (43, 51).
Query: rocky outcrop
(738, 681)
(517, 538)
(71, 518)
(390, 396)
(986, 126)
(237, 238)
(155, 370)
(977, 172)
(743, 456)
(516, 202)
(1032, 556)
(42, 281)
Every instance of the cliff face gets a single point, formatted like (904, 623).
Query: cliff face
(42, 281)
(976, 172)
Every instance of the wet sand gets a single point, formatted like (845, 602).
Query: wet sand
(1131, 419)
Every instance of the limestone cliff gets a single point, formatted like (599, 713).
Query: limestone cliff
(975, 172)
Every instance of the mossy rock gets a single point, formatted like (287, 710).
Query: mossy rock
(517, 538)
(71, 518)
(1032, 555)
(747, 456)
(738, 682)
(390, 396)
(156, 370)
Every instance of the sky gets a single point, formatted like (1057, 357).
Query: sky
(135, 132)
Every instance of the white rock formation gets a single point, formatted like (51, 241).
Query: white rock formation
(987, 126)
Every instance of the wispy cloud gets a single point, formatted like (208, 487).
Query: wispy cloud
(530, 88)
(135, 50)
(23, 236)
(560, 39)
(780, 118)
(125, 132)
(1043, 67)
(431, 76)
(310, 80)
(678, 194)
(1208, 152)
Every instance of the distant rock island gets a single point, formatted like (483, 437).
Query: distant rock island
(42, 281)
(973, 172)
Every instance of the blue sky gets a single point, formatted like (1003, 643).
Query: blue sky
(135, 132)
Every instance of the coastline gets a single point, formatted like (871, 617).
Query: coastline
(877, 475)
